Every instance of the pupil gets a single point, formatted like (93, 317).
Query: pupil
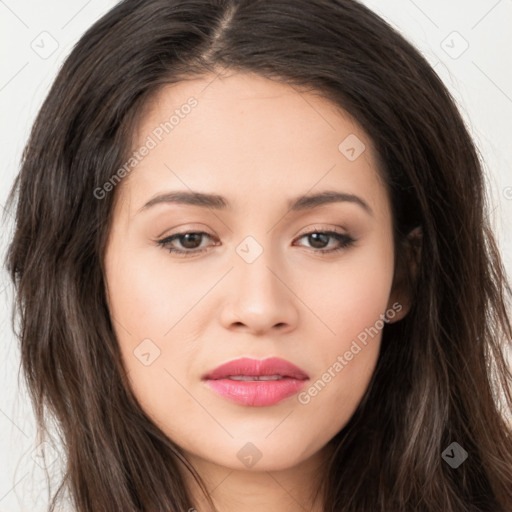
(190, 239)
(319, 237)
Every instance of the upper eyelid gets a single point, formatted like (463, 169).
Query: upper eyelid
(168, 239)
(310, 228)
(314, 229)
(317, 228)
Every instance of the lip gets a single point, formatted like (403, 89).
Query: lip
(256, 393)
(257, 367)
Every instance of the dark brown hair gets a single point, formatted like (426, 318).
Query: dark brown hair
(441, 376)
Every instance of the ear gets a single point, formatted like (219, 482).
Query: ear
(406, 271)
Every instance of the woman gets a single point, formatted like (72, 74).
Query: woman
(254, 268)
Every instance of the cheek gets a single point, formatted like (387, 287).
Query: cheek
(149, 301)
(352, 307)
(350, 295)
(147, 295)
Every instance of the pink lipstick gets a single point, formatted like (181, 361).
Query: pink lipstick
(257, 383)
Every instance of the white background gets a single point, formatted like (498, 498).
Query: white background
(480, 78)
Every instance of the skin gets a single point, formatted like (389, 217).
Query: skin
(258, 143)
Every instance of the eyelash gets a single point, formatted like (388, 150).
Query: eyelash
(345, 241)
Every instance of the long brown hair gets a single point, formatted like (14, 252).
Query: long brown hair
(442, 375)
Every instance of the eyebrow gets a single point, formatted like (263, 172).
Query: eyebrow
(217, 202)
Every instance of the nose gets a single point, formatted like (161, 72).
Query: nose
(260, 299)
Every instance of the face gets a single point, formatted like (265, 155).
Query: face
(261, 274)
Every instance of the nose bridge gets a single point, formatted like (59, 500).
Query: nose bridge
(259, 298)
(255, 259)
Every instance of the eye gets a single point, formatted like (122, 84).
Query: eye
(190, 242)
(320, 239)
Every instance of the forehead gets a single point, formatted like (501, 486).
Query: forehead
(248, 138)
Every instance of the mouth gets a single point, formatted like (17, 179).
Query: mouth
(245, 368)
(256, 383)
(249, 378)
